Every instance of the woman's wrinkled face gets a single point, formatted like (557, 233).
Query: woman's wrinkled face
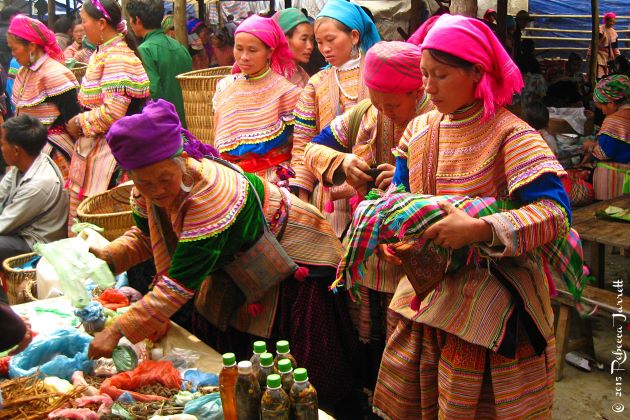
(251, 53)
(160, 182)
(93, 27)
(399, 107)
(78, 33)
(450, 88)
(301, 43)
(20, 51)
(334, 44)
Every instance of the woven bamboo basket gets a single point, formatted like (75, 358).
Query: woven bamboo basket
(198, 88)
(106, 211)
(19, 282)
(79, 71)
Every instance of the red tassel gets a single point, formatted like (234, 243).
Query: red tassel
(301, 273)
(81, 193)
(255, 309)
(67, 184)
(355, 201)
(415, 303)
(329, 207)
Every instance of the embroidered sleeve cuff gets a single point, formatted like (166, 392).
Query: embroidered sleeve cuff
(304, 178)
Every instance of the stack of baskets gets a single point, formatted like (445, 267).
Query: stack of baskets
(21, 284)
(198, 88)
(79, 71)
(109, 210)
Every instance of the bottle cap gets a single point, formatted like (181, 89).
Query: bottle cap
(229, 359)
(260, 347)
(282, 346)
(273, 381)
(300, 375)
(285, 366)
(266, 360)
(245, 367)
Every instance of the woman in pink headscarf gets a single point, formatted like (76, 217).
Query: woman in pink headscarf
(44, 88)
(481, 344)
(253, 107)
(608, 48)
(364, 160)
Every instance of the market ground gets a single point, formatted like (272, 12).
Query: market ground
(591, 395)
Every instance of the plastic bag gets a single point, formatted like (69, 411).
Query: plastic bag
(148, 372)
(207, 407)
(182, 359)
(104, 367)
(194, 378)
(74, 264)
(113, 299)
(57, 354)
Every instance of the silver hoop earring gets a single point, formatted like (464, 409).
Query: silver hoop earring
(186, 188)
(355, 51)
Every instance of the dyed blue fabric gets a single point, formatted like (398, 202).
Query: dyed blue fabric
(401, 174)
(353, 17)
(305, 122)
(327, 138)
(10, 81)
(545, 186)
(615, 149)
(264, 147)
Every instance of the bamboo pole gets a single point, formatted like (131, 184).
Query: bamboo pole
(573, 16)
(179, 18)
(502, 6)
(575, 31)
(571, 49)
(594, 41)
(123, 6)
(51, 14)
(559, 38)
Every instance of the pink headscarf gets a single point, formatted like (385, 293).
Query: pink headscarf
(270, 33)
(472, 40)
(393, 67)
(608, 16)
(34, 31)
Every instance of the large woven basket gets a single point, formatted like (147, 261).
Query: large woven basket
(198, 88)
(79, 71)
(19, 282)
(108, 212)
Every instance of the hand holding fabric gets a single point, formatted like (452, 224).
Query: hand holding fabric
(355, 170)
(104, 343)
(457, 229)
(385, 176)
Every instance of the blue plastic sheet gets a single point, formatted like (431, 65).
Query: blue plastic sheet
(198, 378)
(57, 354)
(207, 407)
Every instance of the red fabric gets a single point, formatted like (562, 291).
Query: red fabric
(472, 40)
(148, 372)
(270, 33)
(34, 31)
(113, 299)
(393, 67)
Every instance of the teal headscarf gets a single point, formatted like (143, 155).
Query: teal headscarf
(353, 16)
(289, 18)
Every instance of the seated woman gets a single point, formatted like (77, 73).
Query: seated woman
(193, 215)
(257, 134)
(612, 148)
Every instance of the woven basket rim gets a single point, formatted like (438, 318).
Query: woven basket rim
(100, 196)
(201, 74)
(26, 257)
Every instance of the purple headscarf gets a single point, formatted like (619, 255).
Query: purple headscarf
(154, 135)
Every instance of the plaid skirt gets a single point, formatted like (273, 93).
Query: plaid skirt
(427, 373)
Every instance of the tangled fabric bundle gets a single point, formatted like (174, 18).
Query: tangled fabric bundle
(92, 317)
(147, 373)
(113, 299)
(396, 216)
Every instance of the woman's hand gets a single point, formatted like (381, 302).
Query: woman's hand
(355, 169)
(73, 128)
(385, 177)
(104, 343)
(385, 253)
(26, 340)
(457, 229)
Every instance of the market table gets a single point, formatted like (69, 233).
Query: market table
(598, 233)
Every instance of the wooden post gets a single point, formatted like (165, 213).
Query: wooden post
(179, 17)
(287, 4)
(219, 14)
(416, 16)
(123, 6)
(51, 14)
(502, 7)
(272, 7)
(201, 5)
(594, 42)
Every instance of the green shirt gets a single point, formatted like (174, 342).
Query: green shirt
(163, 59)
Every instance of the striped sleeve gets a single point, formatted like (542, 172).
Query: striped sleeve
(98, 120)
(305, 129)
(323, 162)
(130, 249)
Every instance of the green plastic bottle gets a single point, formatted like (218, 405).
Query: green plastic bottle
(227, 380)
(303, 397)
(266, 369)
(275, 403)
(283, 352)
(247, 393)
(260, 347)
(285, 369)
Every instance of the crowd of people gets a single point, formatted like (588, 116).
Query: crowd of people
(295, 152)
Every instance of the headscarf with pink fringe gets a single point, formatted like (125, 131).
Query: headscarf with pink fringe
(472, 40)
(34, 31)
(270, 33)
